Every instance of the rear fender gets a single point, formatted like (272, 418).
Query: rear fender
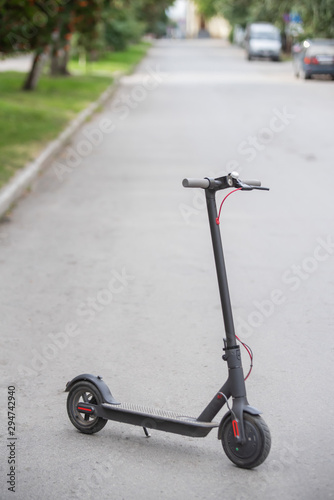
(99, 384)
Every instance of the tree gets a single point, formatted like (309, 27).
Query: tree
(270, 11)
(122, 24)
(46, 29)
(153, 14)
(127, 20)
(316, 15)
(80, 16)
(234, 11)
(27, 26)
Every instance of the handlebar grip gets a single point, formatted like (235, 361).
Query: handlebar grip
(252, 182)
(196, 183)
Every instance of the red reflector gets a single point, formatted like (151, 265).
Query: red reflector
(84, 409)
(235, 428)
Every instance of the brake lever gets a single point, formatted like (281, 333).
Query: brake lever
(247, 187)
(233, 180)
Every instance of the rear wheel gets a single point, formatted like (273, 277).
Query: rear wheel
(84, 392)
(257, 446)
(303, 74)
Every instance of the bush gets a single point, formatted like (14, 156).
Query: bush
(120, 32)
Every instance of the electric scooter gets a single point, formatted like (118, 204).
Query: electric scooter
(244, 434)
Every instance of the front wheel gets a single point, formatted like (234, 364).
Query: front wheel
(84, 392)
(257, 446)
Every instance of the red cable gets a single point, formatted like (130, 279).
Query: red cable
(234, 190)
(245, 346)
(250, 354)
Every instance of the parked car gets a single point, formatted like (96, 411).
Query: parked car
(313, 57)
(263, 40)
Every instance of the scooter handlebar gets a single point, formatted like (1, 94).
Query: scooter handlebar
(228, 181)
(196, 183)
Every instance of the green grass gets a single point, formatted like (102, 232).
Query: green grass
(286, 56)
(112, 61)
(28, 120)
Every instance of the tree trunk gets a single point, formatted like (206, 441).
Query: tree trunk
(59, 61)
(54, 66)
(62, 67)
(35, 71)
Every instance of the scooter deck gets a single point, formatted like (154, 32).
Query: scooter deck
(152, 418)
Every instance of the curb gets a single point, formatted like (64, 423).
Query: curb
(12, 191)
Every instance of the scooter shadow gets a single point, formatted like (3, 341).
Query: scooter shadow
(160, 447)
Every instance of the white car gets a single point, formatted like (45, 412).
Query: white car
(263, 40)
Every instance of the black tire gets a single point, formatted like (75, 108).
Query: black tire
(257, 446)
(304, 75)
(84, 392)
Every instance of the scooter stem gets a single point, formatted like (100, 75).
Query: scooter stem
(210, 195)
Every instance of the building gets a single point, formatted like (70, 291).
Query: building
(198, 27)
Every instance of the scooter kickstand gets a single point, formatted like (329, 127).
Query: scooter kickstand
(147, 434)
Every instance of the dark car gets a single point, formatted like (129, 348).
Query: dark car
(313, 57)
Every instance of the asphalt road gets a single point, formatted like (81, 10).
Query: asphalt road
(107, 268)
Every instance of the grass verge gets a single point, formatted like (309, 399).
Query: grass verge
(111, 61)
(29, 120)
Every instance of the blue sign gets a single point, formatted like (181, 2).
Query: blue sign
(293, 17)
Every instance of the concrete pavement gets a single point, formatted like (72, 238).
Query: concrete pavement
(111, 209)
(19, 63)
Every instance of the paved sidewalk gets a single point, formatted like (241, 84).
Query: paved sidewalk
(19, 63)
